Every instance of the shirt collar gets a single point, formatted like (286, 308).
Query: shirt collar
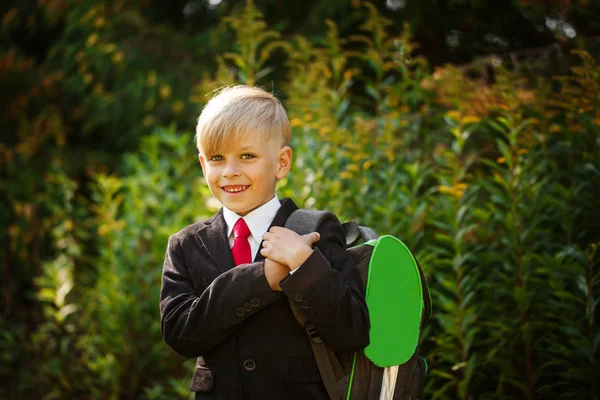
(258, 220)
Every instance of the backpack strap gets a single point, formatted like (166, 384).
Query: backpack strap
(329, 366)
(303, 222)
(426, 296)
(356, 234)
(306, 221)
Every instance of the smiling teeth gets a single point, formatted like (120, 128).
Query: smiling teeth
(235, 190)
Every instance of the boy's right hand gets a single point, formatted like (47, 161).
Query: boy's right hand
(275, 272)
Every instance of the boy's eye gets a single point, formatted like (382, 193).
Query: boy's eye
(247, 156)
(216, 158)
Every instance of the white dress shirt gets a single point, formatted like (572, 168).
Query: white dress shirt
(258, 222)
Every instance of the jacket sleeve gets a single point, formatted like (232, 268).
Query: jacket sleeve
(327, 288)
(196, 317)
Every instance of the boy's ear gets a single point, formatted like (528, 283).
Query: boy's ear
(285, 162)
(202, 161)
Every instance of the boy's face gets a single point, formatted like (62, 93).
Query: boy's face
(243, 177)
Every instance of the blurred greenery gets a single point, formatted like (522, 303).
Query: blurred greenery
(471, 130)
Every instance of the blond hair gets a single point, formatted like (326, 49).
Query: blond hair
(237, 112)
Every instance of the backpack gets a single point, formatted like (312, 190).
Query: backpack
(353, 376)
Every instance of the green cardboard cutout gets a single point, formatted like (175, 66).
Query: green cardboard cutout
(395, 301)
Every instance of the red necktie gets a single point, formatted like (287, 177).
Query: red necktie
(241, 247)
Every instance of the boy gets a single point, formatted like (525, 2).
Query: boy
(227, 281)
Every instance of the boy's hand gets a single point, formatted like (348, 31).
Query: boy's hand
(287, 247)
(275, 272)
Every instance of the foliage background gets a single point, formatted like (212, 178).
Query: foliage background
(471, 130)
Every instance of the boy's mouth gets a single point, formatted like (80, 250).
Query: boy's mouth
(235, 188)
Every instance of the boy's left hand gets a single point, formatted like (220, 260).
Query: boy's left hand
(287, 247)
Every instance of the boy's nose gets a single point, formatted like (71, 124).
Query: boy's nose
(231, 169)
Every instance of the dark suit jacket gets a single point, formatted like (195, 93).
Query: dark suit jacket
(247, 343)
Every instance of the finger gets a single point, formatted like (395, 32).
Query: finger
(280, 231)
(312, 237)
(267, 236)
(266, 252)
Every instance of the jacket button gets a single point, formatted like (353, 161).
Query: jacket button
(304, 304)
(298, 297)
(255, 302)
(249, 365)
(239, 312)
(310, 311)
(248, 307)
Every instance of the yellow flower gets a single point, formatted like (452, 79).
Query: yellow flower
(470, 119)
(148, 120)
(165, 92)
(352, 167)
(100, 22)
(151, 81)
(109, 48)
(323, 130)
(92, 39)
(178, 106)
(118, 57)
(554, 128)
(91, 12)
(460, 186)
(500, 160)
(98, 89)
(87, 78)
(103, 230)
(18, 207)
(446, 189)
(454, 191)
(295, 122)
(367, 164)
(348, 74)
(13, 231)
(455, 115)
(346, 175)
(308, 116)
(390, 154)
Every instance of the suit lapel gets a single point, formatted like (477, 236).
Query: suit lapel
(286, 209)
(214, 235)
(215, 241)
